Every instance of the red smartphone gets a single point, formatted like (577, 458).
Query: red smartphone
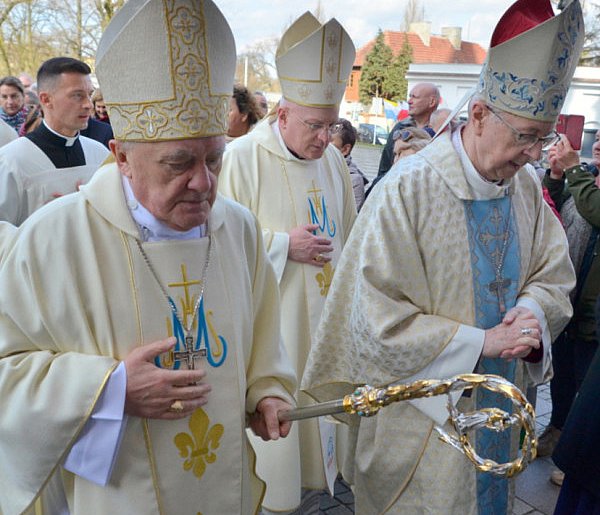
(571, 125)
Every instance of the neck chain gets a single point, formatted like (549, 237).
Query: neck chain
(189, 339)
(500, 285)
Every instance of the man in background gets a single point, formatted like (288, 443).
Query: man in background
(423, 100)
(53, 159)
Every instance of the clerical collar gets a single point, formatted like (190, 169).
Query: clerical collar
(69, 141)
(289, 154)
(481, 188)
(152, 229)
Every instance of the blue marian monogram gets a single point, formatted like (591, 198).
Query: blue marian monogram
(317, 212)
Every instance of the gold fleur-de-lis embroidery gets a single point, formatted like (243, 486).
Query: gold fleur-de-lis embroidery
(330, 66)
(329, 91)
(304, 91)
(332, 40)
(324, 278)
(198, 448)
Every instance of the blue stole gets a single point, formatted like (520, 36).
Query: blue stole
(488, 222)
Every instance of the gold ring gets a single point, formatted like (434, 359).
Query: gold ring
(319, 258)
(177, 407)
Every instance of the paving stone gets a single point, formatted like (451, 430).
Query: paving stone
(522, 508)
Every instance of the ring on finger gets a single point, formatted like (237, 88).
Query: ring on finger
(526, 331)
(176, 407)
(319, 258)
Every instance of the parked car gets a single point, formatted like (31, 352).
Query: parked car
(371, 133)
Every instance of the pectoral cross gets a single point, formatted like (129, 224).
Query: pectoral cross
(189, 355)
(500, 288)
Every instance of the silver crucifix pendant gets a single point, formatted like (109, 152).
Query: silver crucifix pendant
(499, 287)
(189, 355)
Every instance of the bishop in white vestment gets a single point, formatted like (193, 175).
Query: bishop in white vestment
(289, 176)
(455, 265)
(139, 320)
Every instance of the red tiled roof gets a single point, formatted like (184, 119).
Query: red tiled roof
(440, 50)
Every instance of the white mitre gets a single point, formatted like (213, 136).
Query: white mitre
(166, 70)
(314, 61)
(532, 59)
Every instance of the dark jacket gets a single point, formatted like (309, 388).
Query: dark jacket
(581, 185)
(387, 155)
(578, 450)
(100, 131)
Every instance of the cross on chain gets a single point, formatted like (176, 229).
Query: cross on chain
(500, 288)
(189, 355)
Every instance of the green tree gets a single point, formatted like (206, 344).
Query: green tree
(591, 43)
(396, 87)
(375, 70)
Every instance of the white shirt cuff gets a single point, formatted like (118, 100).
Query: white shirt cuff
(459, 357)
(94, 453)
(538, 371)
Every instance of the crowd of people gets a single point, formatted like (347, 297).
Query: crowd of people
(180, 265)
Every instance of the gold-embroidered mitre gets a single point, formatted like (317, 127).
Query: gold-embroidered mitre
(314, 61)
(532, 59)
(166, 70)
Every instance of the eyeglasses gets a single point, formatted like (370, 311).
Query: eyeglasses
(318, 128)
(528, 141)
(402, 135)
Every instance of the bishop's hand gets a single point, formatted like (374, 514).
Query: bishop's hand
(515, 337)
(307, 248)
(265, 423)
(154, 392)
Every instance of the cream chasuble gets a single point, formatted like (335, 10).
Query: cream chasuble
(285, 192)
(69, 340)
(402, 290)
(29, 180)
(7, 133)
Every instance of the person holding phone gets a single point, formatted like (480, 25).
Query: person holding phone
(574, 188)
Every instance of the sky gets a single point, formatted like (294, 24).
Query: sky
(254, 20)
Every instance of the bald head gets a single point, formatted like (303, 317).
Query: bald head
(423, 100)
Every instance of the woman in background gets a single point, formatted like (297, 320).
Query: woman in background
(244, 112)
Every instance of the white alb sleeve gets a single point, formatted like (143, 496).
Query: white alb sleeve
(94, 453)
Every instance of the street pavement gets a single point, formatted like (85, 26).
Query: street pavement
(535, 495)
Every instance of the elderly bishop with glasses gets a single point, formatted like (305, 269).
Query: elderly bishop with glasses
(298, 186)
(139, 317)
(455, 265)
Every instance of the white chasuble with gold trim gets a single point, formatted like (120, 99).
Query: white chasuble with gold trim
(285, 192)
(403, 287)
(202, 452)
(81, 299)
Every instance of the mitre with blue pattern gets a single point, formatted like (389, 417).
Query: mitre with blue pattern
(532, 59)
(166, 70)
(313, 62)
